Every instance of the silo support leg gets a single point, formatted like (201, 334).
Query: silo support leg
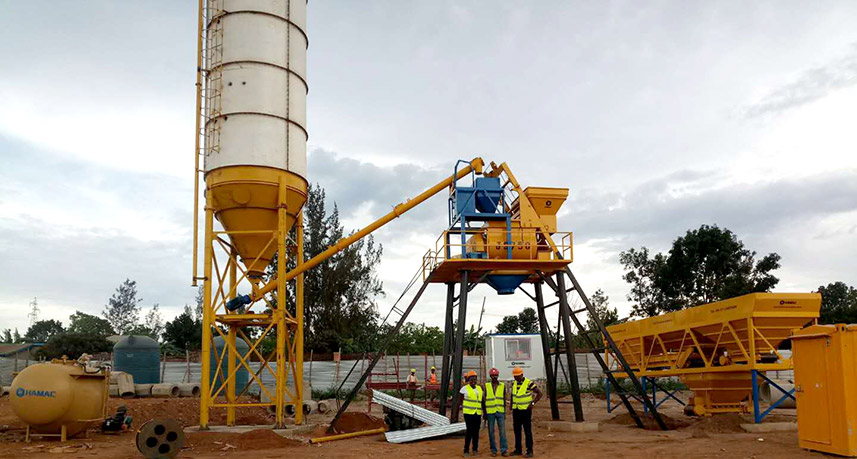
(565, 314)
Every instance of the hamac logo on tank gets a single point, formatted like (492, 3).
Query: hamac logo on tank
(21, 392)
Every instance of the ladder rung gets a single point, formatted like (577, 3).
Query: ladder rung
(578, 311)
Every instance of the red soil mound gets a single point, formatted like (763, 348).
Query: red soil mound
(253, 440)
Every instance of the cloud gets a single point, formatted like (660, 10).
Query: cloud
(809, 86)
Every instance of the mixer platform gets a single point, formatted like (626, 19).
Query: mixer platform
(450, 270)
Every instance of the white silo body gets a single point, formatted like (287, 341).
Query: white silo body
(256, 86)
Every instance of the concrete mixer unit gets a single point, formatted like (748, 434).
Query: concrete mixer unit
(61, 398)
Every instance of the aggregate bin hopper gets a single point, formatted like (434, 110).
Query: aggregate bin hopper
(716, 348)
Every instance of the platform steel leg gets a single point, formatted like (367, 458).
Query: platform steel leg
(565, 314)
(549, 371)
(448, 332)
(458, 352)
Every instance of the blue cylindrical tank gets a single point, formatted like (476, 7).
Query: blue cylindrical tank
(138, 356)
(241, 375)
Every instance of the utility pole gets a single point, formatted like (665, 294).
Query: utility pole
(479, 327)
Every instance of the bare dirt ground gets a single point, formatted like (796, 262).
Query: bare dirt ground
(720, 436)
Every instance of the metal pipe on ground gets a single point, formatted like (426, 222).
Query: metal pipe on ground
(362, 433)
(165, 390)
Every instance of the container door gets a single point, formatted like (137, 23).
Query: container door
(813, 402)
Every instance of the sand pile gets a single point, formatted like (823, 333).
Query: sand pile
(649, 422)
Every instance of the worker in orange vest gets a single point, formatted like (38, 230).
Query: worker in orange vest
(432, 380)
(494, 405)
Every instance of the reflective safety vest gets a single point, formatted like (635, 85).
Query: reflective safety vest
(522, 396)
(433, 378)
(473, 400)
(494, 401)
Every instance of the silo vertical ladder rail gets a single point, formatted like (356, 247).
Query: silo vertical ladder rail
(638, 392)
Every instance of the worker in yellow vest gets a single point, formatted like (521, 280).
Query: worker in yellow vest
(522, 409)
(472, 402)
(494, 405)
(412, 383)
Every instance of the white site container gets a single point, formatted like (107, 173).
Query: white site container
(505, 352)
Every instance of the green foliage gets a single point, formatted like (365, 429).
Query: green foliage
(16, 337)
(184, 332)
(7, 336)
(415, 339)
(609, 316)
(525, 321)
(88, 324)
(43, 330)
(838, 304)
(73, 345)
(329, 394)
(122, 310)
(340, 309)
(153, 324)
(705, 265)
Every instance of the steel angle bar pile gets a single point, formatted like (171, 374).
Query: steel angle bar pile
(422, 414)
(438, 425)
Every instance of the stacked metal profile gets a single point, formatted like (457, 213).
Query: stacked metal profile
(404, 436)
(438, 425)
(408, 409)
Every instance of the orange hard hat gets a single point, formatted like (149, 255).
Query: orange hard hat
(518, 371)
(470, 374)
(494, 372)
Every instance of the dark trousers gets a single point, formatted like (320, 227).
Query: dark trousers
(523, 418)
(472, 421)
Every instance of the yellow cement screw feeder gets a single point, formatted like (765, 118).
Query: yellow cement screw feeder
(251, 133)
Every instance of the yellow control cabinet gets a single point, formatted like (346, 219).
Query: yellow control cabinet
(825, 363)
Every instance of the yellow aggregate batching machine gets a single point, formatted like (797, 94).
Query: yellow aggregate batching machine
(251, 134)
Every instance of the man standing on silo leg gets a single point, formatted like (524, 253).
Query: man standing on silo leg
(522, 410)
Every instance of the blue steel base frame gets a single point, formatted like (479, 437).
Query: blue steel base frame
(758, 414)
(645, 381)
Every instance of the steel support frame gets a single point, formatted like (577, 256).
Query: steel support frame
(549, 369)
(565, 315)
(458, 351)
(759, 415)
(448, 343)
(217, 290)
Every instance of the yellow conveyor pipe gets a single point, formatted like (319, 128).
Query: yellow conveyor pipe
(475, 166)
(362, 433)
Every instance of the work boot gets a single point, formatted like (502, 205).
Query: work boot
(504, 454)
(515, 453)
(529, 455)
(493, 453)
(466, 454)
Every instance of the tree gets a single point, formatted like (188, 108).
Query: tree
(340, 308)
(88, 324)
(185, 331)
(122, 310)
(73, 345)
(43, 330)
(153, 324)
(601, 304)
(509, 325)
(525, 321)
(16, 337)
(705, 265)
(7, 336)
(838, 304)
(642, 274)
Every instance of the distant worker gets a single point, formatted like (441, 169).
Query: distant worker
(412, 383)
(472, 402)
(522, 409)
(433, 380)
(494, 405)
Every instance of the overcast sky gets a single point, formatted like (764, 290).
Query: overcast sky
(659, 117)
